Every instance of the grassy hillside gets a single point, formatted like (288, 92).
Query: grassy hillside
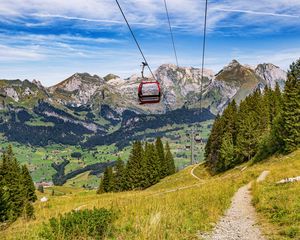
(180, 205)
(278, 205)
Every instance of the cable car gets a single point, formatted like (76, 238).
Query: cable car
(148, 91)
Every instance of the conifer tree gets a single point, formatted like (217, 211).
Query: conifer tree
(135, 167)
(3, 197)
(274, 101)
(29, 189)
(16, 187)
(161, 154)
(13, 184)
(212, 148)
(227, 153)
(108, 180)
(152, 166)
(100, 189)
(3, 204)
(229, 118)
(119, 176)
(290, 116)
(169, 160)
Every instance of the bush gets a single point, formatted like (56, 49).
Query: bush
(41, 188)
(76, 155)
(83, 224)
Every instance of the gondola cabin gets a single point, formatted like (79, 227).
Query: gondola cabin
(149, 92)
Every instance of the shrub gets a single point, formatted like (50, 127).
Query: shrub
(76, 155)
(82, 224)
(41, 188)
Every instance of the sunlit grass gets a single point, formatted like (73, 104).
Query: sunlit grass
(176, 208)
(278, 205)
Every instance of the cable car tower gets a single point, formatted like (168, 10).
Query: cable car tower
(194, 135)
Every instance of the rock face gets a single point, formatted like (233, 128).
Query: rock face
(181, 86)
(90, 110)
(271, 74)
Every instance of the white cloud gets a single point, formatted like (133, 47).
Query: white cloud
(185, 14)
(18, 53)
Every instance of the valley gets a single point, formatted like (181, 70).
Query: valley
(85, 114)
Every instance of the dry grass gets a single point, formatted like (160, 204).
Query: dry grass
(278, 206)
(176, 208)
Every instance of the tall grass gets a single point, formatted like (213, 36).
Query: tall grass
(278, 205)
(176, 208)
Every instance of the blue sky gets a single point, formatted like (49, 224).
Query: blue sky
(50, 40)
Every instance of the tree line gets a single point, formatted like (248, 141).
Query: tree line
(147, 164)
(17, 191)
(264, 123)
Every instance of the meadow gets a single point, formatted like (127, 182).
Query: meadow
(39, 159)
(181, 206)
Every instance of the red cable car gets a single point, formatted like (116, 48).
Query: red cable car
(149, 91)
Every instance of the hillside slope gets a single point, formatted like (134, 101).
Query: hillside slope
(181, 206)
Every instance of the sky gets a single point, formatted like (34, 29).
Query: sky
(50, 40)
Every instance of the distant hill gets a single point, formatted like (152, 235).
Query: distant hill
(91, 110)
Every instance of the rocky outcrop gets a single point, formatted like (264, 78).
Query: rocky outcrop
(181, 86)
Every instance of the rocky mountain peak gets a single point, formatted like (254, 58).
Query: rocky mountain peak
(232, 65)
(271, 74)
(110, 76)
(37, 83)
(181, 86)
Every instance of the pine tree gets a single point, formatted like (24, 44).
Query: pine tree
(253, 120)
(119, 176)
(13, 183)
(227, 153)
(3, 195)
(108, 180)
(290, 116)
(161, 154)
(212, 148)
(152, 166)
(100, 190)
(169, 160)
(135, 168)
(3, 204)
(28, 185)
(274, 101)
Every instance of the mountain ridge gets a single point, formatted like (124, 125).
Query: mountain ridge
(89, 110)
(180, 86)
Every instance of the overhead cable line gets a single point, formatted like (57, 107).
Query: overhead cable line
(171, 32)
(201, 85)
(136, 42)
(203, 53)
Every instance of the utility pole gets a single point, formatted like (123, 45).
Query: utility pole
(192, 147)
(191, 140)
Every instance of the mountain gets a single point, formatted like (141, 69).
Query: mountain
(89, 110)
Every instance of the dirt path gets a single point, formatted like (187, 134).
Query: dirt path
(239, 221)
(192, 171)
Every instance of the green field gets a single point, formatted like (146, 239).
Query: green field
(39, 159)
